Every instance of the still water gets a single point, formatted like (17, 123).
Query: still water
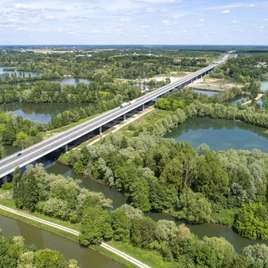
(9, 72)
(221, 134)
(264, 86)
(73, 81)
(119, 199)
(40, 239)
(41, 112)
(205, 92)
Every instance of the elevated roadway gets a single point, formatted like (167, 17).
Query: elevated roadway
(35, 152)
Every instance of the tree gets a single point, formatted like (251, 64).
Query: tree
(120, 225)
(163, 196)
(194, 207)
(172, 173)
(257, 255)
(95, 226)
(252, 221)
(31, 187)
(21, 139)
(165, 230)
(47, 258)
(215, 253)
(211, 179)
(142, 232)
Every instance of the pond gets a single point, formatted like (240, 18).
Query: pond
(264, 86)
(9, 72)
(41, 112)
(205, 92)
(40, 239)
(221, 134)
(73, 81)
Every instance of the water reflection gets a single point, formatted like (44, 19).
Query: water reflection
(221, 134)
(41, 112)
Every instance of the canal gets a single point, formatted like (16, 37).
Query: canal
(218, 134)
(39, 239)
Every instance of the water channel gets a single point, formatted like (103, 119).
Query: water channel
(218, 134)
(39, 239)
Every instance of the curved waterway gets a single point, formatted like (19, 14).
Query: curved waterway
(221, 134)
(40, 239)
(218, 134)
(119, 199)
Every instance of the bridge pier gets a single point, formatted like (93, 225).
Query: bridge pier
(100, 130)
(125, 117)
(66, 148)
(143, 107)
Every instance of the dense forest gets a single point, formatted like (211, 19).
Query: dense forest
(244, 68)
(155, 173)
(196, 186)
(108, 64)
(57, 197)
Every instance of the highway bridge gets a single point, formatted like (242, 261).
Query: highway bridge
(41, 149)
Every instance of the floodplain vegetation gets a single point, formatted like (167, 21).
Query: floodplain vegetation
(159, 175)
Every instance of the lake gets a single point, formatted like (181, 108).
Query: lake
(205, 92)
(73, 81)
(41, 112)
(7, 71)
(264, 86)
(220, 134)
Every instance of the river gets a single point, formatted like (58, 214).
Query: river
(219, 135)
(119, 199)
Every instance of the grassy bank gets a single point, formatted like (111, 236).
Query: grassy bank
(152, 258)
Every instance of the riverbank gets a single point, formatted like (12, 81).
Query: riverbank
(73, 233)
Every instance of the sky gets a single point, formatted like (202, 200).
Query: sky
(212, 22)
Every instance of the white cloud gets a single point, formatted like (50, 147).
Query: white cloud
(226, 11)
(166, 22)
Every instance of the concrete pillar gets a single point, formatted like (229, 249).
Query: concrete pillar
(66, 148)
(143, 107)
(125, 117)
(100, 130)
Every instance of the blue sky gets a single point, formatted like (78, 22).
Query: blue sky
(134, 22)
